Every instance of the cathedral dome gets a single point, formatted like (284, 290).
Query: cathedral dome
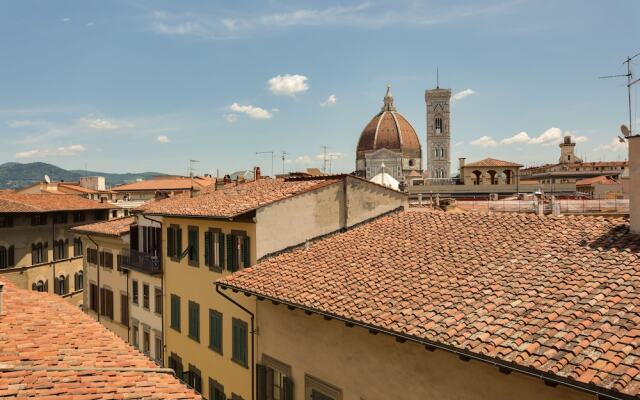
(389, 130)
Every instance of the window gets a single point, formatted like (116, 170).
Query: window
(273, 380)
(77, 247)
(39, 253)
(92, 256)
(145, 295)
(194, 321)
(93, 297)
(7, 257)
(124, 309)
(106, 259)
(135, 336)
(239, 342)
(175, 363)
(216, 390)
(39, 219)
(193, 246)
(114, 214)
(134, 292)
(157, 301)
(175, 312)
(60, 249)
(40, 286)
(316, 389)
(438, 125)
(60, 218)
(6, 221)
(158, 348)
(78, 216)
(214, 249)
(106, 302)
(146, 342)
(195, 378)
(215, 331)
(174, 242)
(100, 215)
(78, 281)
(61, 285)
(238, 251)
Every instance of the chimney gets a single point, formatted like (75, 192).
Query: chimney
(1, 299)
(461, 162)
(634, 182)
(256, 173)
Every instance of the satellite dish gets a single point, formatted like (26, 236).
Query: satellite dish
(625, 130)
(47, 179)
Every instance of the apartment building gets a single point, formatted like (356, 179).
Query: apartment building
(37, 250)
(216, 231)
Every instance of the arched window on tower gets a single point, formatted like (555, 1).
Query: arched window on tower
(438, 125)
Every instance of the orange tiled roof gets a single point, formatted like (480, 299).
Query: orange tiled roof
(603, 179)
(492, 162)
(51, 349)
(113, 227)
(233, 200)
(166, 183)
(36, 203)
(560, 295)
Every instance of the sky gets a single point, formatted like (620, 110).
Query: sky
(132, 86)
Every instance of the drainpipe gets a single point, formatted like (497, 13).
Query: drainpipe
(98, 269)
(253, 332)
(164, 343)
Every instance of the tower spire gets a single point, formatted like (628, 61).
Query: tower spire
(388, 101)
(437, 78)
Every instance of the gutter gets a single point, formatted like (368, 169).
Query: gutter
(253, 333)
(503, 366)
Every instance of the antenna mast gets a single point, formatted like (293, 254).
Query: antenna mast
(272, 157)
(324, 159)
(630, 82)
(284, 158)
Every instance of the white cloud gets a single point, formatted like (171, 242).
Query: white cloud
(484, 142)
(251, 111)
(163, 138)
(99, 123)
(58, 151)
(579, 139)
(275, 109)
(231, 118)
(65, 19)
(230, 23)
(549, 136)
(329, 102)
(288, 85)
(614, 145)
(458, 144)
(169, 24)
(462, 94)
(522, 137)
(305, 159)
(328, 16)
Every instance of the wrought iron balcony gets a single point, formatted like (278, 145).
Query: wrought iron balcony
(143, 262)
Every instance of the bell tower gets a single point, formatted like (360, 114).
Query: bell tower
(438, 133)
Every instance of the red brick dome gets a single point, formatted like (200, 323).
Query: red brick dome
(389, 130)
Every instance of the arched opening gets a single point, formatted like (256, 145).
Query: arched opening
(77, 247)
(438, 125)
(508, 176)
(61, 286)
(79, 281)
(477, 177)
(493, 177)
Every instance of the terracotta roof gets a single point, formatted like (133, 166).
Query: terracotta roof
(233, 200)
(491, 162)
(582, 164)
(602, 179)
(389, 130)
(77, 188)
(36, 203)
(51, 349)
(560, 295)
(113, 227)
(162, 183)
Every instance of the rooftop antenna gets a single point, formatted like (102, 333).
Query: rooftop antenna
(284, 158)
(191, 167)
(272, 157)
(324, 159)
(47, 179)
(627, 131)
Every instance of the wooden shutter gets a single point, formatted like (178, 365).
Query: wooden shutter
(124, 309)
(179, 242)
(246, 249)
(133, 237)
(221, 249)
(170, 238)
(66, 284)
(207, 248)
(11, 257)
(45, 252)
(230, 242)
(287, 388)
(261, 382)
(101, 301)
(109, 260)
(109, 303)
(46, 286)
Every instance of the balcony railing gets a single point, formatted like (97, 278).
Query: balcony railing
(143, 262)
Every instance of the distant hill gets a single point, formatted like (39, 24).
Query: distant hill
(15, 175)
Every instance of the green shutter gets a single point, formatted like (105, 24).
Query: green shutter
(246, 250)
(179, 243)
(207, 248)
(261, 382)
(287, 388)
(230, 252)
(221, 249)
(170, 239)
(215, 331)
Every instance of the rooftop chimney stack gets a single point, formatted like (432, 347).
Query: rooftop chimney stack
(634, 182)
(256, 173)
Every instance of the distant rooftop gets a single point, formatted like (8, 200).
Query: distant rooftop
(166, 183)
(38, 203)
(114, 227)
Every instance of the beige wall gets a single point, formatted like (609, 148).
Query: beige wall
(109, 278)
(146, 318)
(373, 367)
(634, 182)
(366, 200)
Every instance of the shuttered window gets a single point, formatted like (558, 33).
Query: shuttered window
(106, 302)
(272, 383)
(175, 312)
(214, 249)
(93, 297)
(124, 309)
(134, 292)
(216, 390)
(239, 341)
(194, 321)
(157, 301)
(175, 363)
(215, 331)
(145, 295)
(193, 246)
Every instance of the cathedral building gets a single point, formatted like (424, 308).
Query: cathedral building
(389, 144)
(438, 133)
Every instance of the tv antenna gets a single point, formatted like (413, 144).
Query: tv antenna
(627, 131)
(272, 157)
(324, 159)
(47, 179)
(284, 158)
(192, 167)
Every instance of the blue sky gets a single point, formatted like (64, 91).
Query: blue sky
(140, 85)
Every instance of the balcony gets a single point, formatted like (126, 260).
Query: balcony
(143, 262)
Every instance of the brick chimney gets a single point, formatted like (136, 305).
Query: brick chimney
(634, 182)
(256, 173)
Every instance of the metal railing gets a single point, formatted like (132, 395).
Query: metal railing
(141, 261)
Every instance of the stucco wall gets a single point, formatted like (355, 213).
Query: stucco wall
(366, 200)
(146, 317)
(634, 182)
(371, 367)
